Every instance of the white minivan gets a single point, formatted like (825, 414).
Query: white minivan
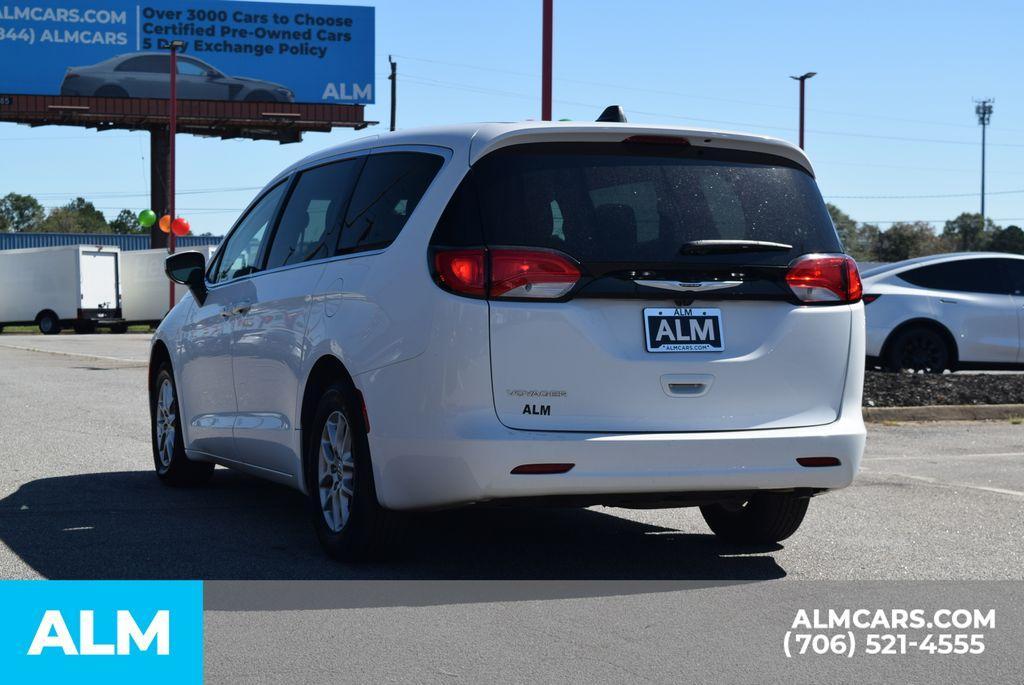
(560, 313)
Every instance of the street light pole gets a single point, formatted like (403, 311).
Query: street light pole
(172, 125)
(394, 90)
(545, 78)
(802, 79)
(983, 108)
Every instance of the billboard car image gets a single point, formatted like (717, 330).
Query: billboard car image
(147, 75)
(234, 51)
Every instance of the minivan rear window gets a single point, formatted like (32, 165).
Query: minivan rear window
(637, 203)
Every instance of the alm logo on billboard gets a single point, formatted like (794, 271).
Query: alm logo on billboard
(348, 91)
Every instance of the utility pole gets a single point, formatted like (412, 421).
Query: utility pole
(802, 79)
(983, 108)
(394, 89)
(172, 121)
(545, 79)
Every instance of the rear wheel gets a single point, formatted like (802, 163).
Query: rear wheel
(260, 96)
(172, 466)
(919, 348)
(111, 92)
(48, 323)
(764, 518)
(349, 521)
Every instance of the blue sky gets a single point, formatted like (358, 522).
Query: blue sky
(890, 113)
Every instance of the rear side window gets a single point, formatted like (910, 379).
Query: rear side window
(312, 217)
(1014, 269)
(150, 64)
(389, 188)
(626, 203)
(966, 275)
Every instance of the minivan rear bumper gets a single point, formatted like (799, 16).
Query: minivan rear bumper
(424, 473)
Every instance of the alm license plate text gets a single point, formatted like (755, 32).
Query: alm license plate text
(683, 329)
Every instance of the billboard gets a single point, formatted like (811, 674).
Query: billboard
(237, 51)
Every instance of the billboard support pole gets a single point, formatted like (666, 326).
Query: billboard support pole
(172, 119)
(545, 87)
(394, 89)
(158, 166)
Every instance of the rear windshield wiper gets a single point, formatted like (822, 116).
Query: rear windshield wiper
(731, 246)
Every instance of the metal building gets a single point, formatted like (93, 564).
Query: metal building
(16, 241)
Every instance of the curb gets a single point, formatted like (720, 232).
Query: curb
(946, 412)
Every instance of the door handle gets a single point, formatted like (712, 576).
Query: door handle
(238, 309)
(946, 300)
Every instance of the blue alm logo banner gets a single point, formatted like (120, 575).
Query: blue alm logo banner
(237, 51)
(101, 631)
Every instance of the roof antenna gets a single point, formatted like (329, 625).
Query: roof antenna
(613, 114)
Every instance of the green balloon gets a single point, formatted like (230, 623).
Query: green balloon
(147, 218)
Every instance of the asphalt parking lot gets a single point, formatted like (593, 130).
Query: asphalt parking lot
(78, 499)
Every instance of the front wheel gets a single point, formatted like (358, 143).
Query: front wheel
(764, 518)
(172, 466)
(349, 521)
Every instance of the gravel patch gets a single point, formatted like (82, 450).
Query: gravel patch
(919, 390)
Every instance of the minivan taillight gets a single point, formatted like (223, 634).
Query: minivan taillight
(462, 271)
(825, 279)
(507, 273)
(532, 274)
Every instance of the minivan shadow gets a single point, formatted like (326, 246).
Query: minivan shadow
(128, 525)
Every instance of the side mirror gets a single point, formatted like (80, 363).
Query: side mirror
(188, 268)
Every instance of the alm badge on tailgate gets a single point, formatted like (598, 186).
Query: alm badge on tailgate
(683, 329)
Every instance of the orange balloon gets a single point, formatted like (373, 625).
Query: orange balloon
(165, 223)
(180, 227)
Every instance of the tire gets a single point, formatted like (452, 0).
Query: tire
(84, 327)
(48, 323)
(764, 518)
(919, 348)
(172, 466)
(350, 523)
(119, 328)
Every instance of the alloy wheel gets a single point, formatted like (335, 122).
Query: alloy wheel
(922, 353)
(335, 471)
(166, 422)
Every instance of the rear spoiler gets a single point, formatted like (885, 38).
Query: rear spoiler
(599, 132)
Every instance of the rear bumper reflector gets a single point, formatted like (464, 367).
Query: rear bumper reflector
(817, 461)
(534, 469)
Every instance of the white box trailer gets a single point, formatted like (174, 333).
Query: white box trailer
(145, 295)
(53, 287)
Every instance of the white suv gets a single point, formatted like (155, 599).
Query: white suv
(572, 313)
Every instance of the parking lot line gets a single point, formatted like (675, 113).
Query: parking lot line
(80, 355)
(932, 457)
(946, 484)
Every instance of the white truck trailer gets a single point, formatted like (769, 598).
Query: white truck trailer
(54, 287)
(145, 295)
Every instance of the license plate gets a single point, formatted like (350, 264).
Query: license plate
(683, 329)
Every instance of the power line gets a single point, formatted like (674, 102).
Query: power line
(658, 91)
(110, 194)
(422, 80)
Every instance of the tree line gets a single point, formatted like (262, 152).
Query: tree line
(863, 241)
(904, 240)
(25, 213)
